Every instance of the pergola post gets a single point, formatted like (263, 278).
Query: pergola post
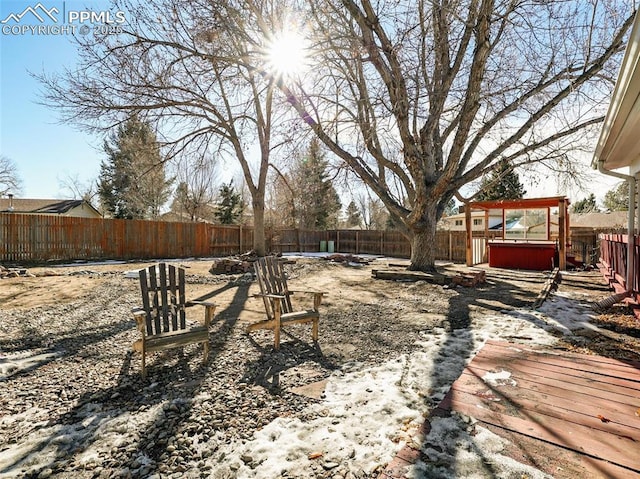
(562, 233)
(485, 253)
(469, 241)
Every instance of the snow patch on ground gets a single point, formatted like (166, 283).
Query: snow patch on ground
(12, 363)
(500, 378)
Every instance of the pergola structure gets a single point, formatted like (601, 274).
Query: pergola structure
(526, 244)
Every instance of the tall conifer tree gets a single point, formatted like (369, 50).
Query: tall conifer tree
(318, 202)
(501, 184)
(132, 182)
(230, 205)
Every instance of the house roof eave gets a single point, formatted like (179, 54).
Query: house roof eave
(617, 145)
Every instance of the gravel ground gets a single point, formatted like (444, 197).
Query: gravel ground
(92, 373)
(81, 409)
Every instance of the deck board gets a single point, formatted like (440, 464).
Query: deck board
(587, 404)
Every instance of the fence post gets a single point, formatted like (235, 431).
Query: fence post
(469, 235)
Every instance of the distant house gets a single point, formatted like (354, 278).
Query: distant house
(75, 208)
(457, 222)
(600, 221)
(206, 214)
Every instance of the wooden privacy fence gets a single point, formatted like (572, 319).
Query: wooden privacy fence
(55, 238)
(388, 243)
(614, 260)
(41, 238)
(449, 245)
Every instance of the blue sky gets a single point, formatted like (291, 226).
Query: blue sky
(44, 150)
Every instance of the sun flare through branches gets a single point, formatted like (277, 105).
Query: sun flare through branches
(287, 55)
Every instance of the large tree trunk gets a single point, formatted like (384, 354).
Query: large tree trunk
(422, 235)
(423, 252)
(258, 227)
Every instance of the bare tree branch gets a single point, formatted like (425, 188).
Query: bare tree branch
(10, 181)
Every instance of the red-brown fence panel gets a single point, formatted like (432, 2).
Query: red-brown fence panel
(614, 259)
(25, 237)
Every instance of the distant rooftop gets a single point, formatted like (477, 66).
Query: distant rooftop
(614, 219)
(42, 206)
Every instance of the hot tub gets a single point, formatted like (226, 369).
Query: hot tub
(513, 254)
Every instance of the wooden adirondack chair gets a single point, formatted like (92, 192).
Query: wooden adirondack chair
(277, 300)
(162, 318)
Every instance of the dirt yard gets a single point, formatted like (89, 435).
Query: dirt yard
(74, 405)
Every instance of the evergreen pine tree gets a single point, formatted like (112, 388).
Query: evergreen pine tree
(617, 199)
(132, 182)
(319, 203)
(586, 205)
(354, 218)
(230, 205)
(501, 184)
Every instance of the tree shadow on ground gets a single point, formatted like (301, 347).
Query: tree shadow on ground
(266, 371)
(158, 406)
(76, 340)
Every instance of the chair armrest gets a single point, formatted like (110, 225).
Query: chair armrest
(200, 303)
(322, 293)
(272, 296)
(210, 309)
(317, 296)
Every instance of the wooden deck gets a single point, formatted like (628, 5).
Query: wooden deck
(587, 405)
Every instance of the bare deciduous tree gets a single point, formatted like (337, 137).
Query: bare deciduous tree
(418, 98)
(77, 188)
(184, 66)
(10, 181)
(197, 185)
(72, 186)
(421, 98)
(282, 197)
(374, 214)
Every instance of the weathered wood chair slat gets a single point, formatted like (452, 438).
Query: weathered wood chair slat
(277, 300)
(162, 318)
(164, 299)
